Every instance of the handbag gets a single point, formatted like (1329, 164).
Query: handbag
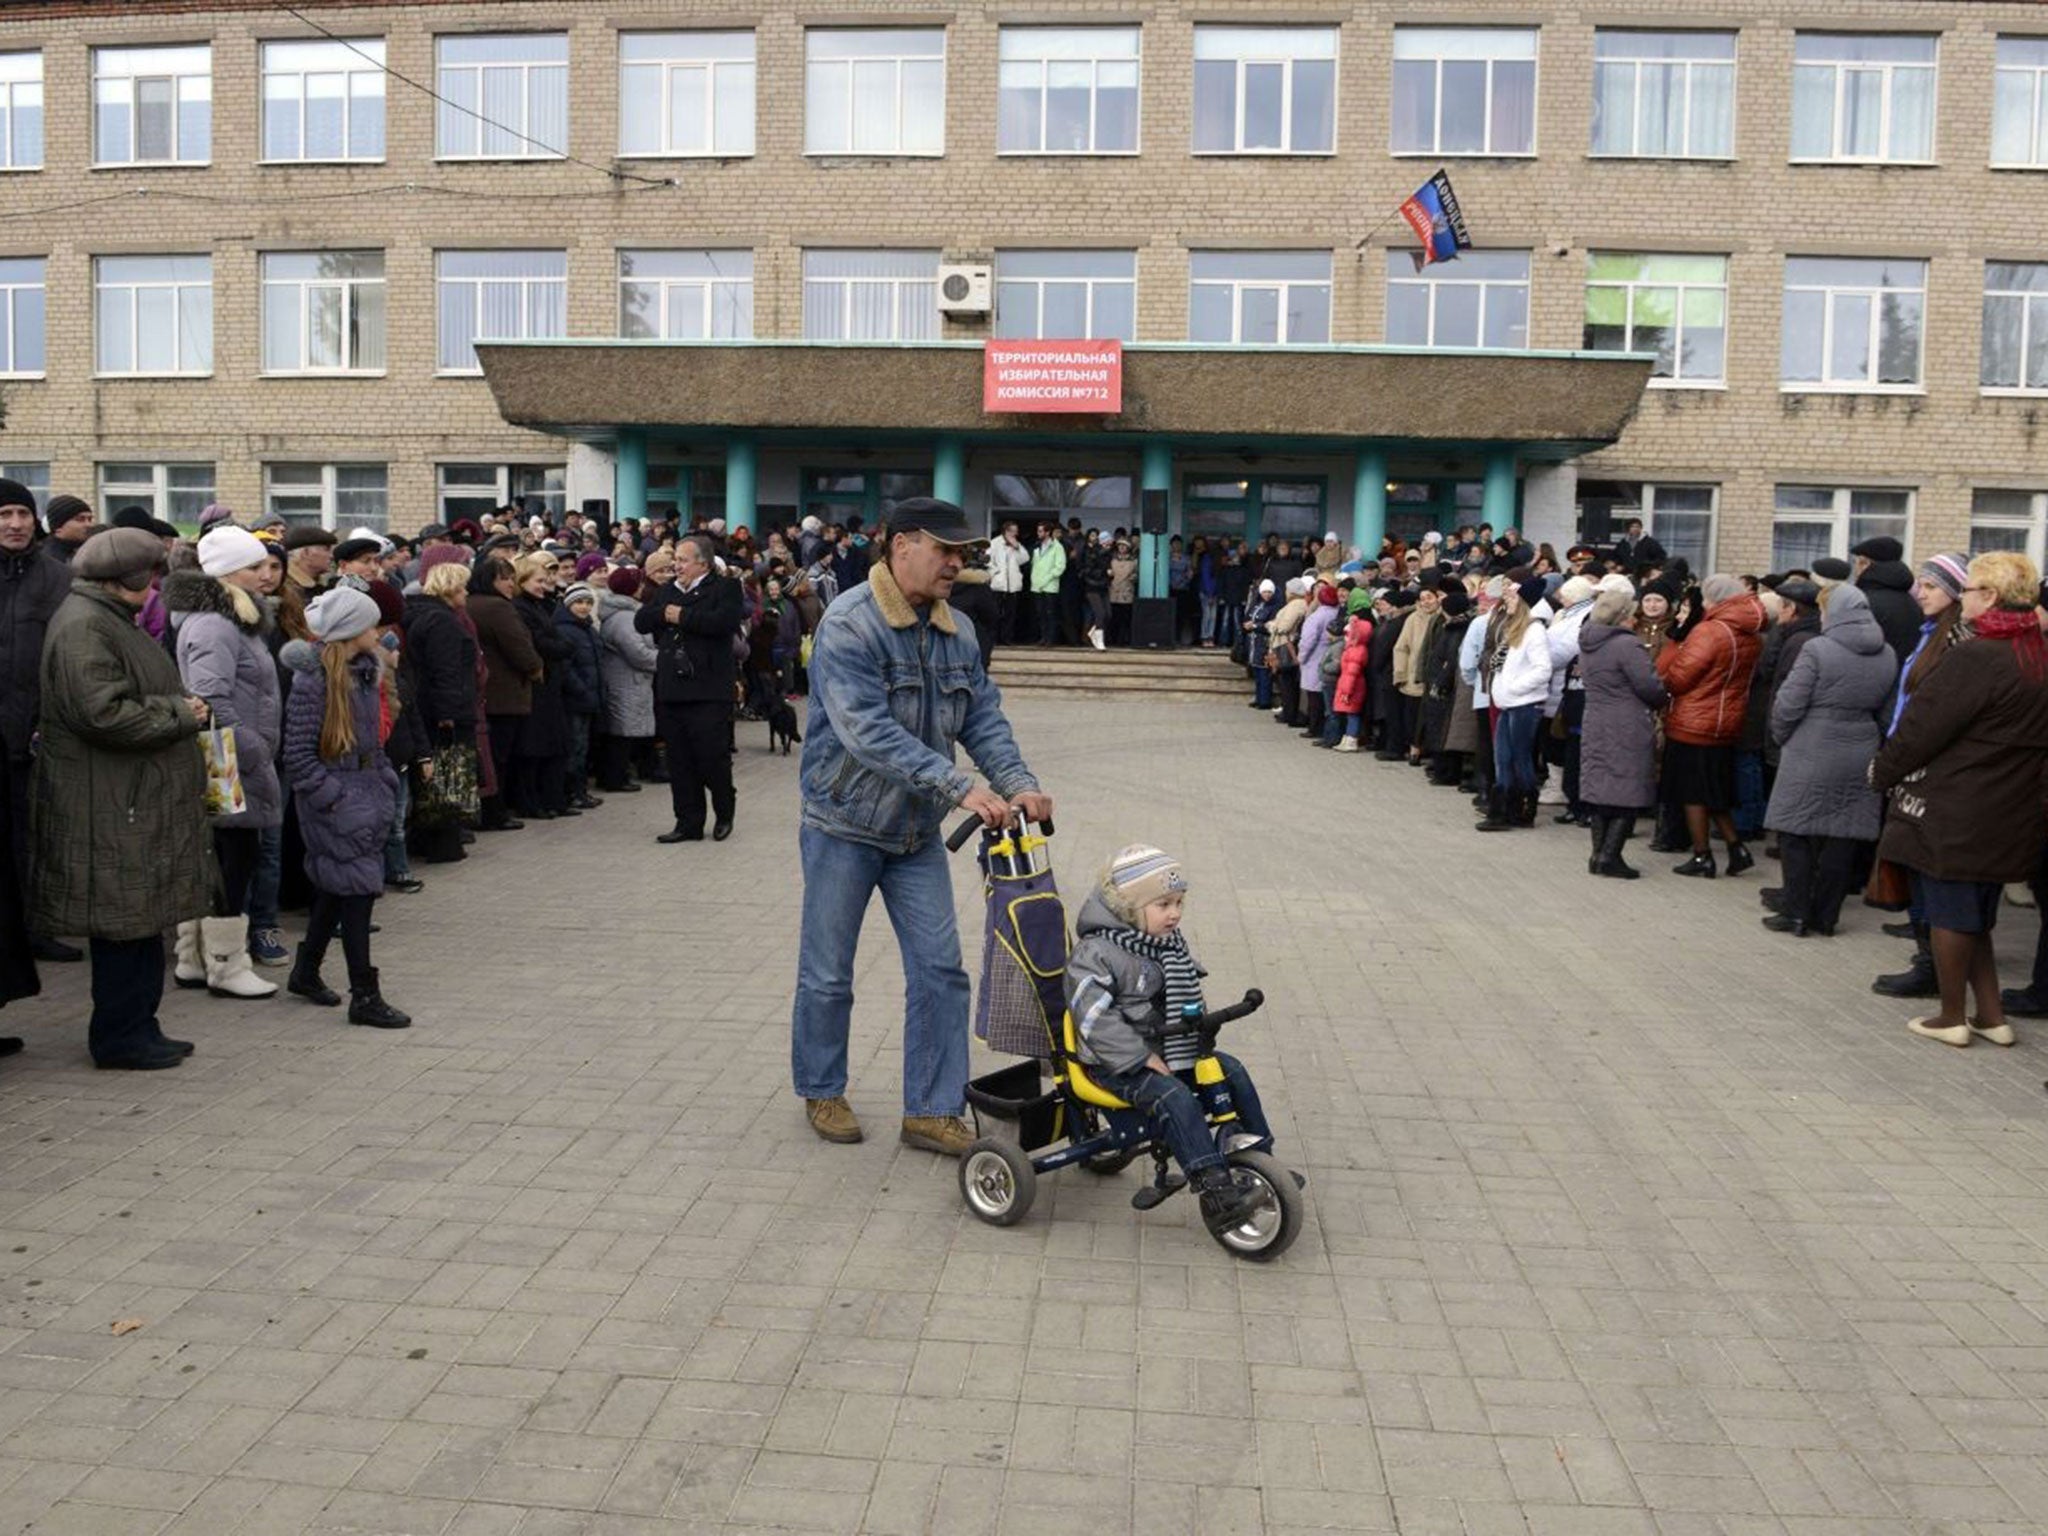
(224, 796)
(1281, 654)
(451, 794)
(1240, 650)
(1889, 887)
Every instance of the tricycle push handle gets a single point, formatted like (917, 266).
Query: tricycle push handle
(959, 836)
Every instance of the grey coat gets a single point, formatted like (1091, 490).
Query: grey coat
(1825, 721)
(1117, 998)
(1618, 738)
(223, 657)
(628, 668)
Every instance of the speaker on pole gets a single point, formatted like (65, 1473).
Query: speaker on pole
(1152, 511)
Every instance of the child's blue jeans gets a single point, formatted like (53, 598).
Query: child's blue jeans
(1177, 1112)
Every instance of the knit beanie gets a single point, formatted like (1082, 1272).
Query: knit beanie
(14, 494)
(1456, 601)
(1720, 588)
(1136, 877)
(213, 514)
(1575, 591)
(63, 509)
(1948, 572)
(390, 603)
(1360, 601)
(1614, 581)
(227, 549)
(442, 554)
(625, 582)
(341, 613)
(588, 565)
(1532, 591)
(579, 593)
(1326, 596)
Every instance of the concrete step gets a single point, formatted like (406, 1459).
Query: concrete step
(1203, 675)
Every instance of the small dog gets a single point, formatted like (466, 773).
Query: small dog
(782, 726)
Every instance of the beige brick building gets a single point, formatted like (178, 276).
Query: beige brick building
(1847, 204)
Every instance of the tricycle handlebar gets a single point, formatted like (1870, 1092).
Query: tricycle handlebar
(1209, 1023)
(959, 836)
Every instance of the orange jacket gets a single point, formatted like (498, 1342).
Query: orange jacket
(1708, 673)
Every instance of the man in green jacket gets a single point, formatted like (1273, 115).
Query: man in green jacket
(1048, 565)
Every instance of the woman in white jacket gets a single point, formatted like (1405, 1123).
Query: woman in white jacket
(1517, 674)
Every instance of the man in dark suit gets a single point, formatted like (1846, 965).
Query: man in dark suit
(1636, 548)
(693, 620)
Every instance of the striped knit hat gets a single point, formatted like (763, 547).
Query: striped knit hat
(1951, 573)
(1138, 876)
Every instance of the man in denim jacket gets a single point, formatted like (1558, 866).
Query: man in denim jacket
(896, 680)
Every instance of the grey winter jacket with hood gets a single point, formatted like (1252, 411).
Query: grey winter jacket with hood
(1117, 998)
(628, 668)
(219, 636)
(1825, 720)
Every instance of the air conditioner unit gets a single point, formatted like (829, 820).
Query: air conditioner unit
(965, 290)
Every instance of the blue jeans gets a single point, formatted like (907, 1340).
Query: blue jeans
(1750, 800)
(395, 865)
(1177, 1111)
(262, 901)
(840, 878)
(1262, 685)
(1514, 747)
(1333, 723)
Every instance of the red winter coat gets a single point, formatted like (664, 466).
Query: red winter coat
(1351, 678)
(1708, 673)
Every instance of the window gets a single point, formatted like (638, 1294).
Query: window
(1283, 508)
(1664, 95)
(323, 312)
(1682, 519)
(2015, 348)
(498, 296)
(871, 295)
(685, 490)
(1259, 297)
(21, 316)
(835, 495)
(687, 295)
(686, 93)
(21, 111)
(2019, 110)
(177, 493)
(1674, 306)
(1464, 91)
(1479, 300)
(875, 91)
(323, 100)
(1065, 295)
(329, 495)
(1862, 98)
(1099, 501)
(1852, 324)
(1998, 520)
(1812, 521)
(154, 314)
(502, 98)
(475, 490)
(1265, 90)
(152, 106)
(1067, 91)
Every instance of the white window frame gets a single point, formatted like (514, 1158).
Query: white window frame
(358, 50)
(160, 485)
(1875, 293)
(16, 79)
(669, 286)
(1839, 515)
(1486, 152)
(531, 147)
(898, 60)
(8, 290)
(176, 288)
(1638, 60)
(1648, 510)
(1438, 276)
(1136, 58)
(349, 287)
(2021, 390)
(2034, 523)
(716, 68)
(2037, 108)
(329, 514)
(501, 487)
(1089, 283)
(177, 80)
(1890, 69)
(1629, 288)
(1286, 61)
(897, 298)
(1282, 286)
(476, 299)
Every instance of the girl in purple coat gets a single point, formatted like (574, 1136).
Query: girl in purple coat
(343, 787)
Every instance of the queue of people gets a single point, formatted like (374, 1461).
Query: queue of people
(1872, 727)
(205, 732)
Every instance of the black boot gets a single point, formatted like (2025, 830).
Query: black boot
(1524, 809)
(1918, 979)
(366, 1004)
(305, 981)
(1225, 1202)
(1496, 812)
(1598, 826)
(1613, 838)
(1700, 864)
(1740, 858)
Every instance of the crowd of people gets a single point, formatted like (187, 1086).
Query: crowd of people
(1872, 727)
(203, 732)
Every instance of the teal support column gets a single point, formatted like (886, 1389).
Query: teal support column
(949, 470)
(629, 475)
(1369, 502)
(1155, 473)
(1497, 504)
(739, 483)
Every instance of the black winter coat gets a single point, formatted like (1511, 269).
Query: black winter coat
(1379, 666)
(582, 673)
(1234, 582)
(712, 612)
(1889, 586)
(440, 660)
(411, 739)
(31, 589)
(1440, 681)
(545, 732)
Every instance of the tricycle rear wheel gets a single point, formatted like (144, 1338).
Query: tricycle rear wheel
(997, 1181)
(1270, 1230)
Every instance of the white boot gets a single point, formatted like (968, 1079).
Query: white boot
(229, 972)
(190, 969)
(1347, 744)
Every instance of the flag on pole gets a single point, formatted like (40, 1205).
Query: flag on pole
(1434, 215)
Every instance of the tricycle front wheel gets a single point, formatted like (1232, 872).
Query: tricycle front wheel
(1272, 1228)
(997, 1181)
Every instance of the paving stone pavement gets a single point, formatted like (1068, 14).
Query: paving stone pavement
(1626, 1218)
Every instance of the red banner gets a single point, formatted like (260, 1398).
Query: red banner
(1074, 376)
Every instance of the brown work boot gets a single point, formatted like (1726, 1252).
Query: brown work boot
(947, 1135)
(833, 1119)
